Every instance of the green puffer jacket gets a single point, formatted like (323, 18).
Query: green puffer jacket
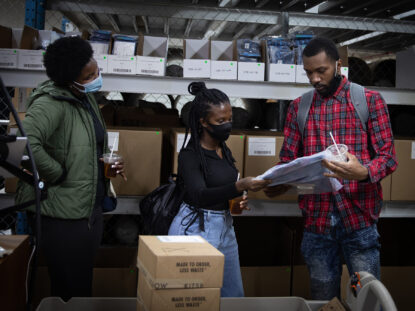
(62, 136)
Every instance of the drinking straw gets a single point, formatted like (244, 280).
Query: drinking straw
(332, 138)
(113, 145)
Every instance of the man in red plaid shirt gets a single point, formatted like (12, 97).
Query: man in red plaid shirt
(343, 223)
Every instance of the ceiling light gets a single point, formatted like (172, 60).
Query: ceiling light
(362, 38)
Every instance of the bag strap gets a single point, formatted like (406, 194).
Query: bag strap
(357, 96)
(304, 107)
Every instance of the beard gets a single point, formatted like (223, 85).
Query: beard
(328, 90)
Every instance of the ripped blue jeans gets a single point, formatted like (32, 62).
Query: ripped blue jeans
(219, 232)
(322, 254)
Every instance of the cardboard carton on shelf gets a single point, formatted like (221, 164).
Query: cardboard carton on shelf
(141, 151)
(235, 142)
(196, 62)
(152, 55)
(224, 60)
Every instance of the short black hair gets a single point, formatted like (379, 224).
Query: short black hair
(65, 58)
(320, 44)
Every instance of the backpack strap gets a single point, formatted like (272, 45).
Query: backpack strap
(358, 97)
(303, 108)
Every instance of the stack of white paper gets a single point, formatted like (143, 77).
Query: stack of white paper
(306, 173)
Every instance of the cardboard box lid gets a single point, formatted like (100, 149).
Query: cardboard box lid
(196, 49)
(5, 37)
(223, 50)
(178, 261)
(152, 46)
(30, 38)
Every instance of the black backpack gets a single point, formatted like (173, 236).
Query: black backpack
(158, 208)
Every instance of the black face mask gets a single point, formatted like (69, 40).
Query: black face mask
(220, 132)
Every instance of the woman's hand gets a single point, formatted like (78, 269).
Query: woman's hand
(119, 166)
(251, 184)
(244, 202)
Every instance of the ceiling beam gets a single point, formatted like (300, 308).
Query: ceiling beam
(261, 3)
(355, 8)
(135, 24)
(289, 4)
(270, 30)
(241, 31)
(113, 22)
(227, 3)
(145, 22)
(166, 26)
(390, 6)
(216, 27)
(90, 20)
(328, 5)
(234, 15)
(188, 27)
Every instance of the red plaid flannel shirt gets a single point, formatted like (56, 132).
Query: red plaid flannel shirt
(358, 202)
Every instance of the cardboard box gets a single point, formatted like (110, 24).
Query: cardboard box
(200, 299)
(261, 153)
(141, 151)
(281, 72)
(235, 142)
(300, 74)
(120, 64)
(145, 117)
(403, 186)
(224, 64)
(30, 59)
(179, 262)
(13, 269)
(124, 48)
(248, 71)
(100, 48)
(102, 62)
(8, 54)
(152, 55)
(196, 63)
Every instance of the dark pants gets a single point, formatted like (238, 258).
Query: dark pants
(70, 247)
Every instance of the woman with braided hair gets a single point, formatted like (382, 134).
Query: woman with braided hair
(209, 179)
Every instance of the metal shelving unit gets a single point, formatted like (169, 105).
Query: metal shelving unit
(128, 205)
(178, 86)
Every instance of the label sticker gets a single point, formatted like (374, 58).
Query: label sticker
(113, 137)
(180, 239)
(261, 146)
(413, 151)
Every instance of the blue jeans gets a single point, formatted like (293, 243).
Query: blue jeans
(322, 254)
(220, 233)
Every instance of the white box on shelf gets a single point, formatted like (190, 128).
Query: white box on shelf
(102, 62)
(122, 64)
(124, 48)
(196, 63)
(99, 48)
(300, 74)
(152, 55)
(281, 72)
(251, 71)
(224, 64)
(8, 58)
(30, 59)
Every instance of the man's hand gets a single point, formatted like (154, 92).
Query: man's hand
(276, 190)
(351, 170)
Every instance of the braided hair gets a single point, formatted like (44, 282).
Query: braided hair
(201, 105)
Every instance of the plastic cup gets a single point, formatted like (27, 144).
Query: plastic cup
(235, 206)
(109, 161)
(334, 155)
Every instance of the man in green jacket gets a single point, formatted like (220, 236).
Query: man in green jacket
(68, 137)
